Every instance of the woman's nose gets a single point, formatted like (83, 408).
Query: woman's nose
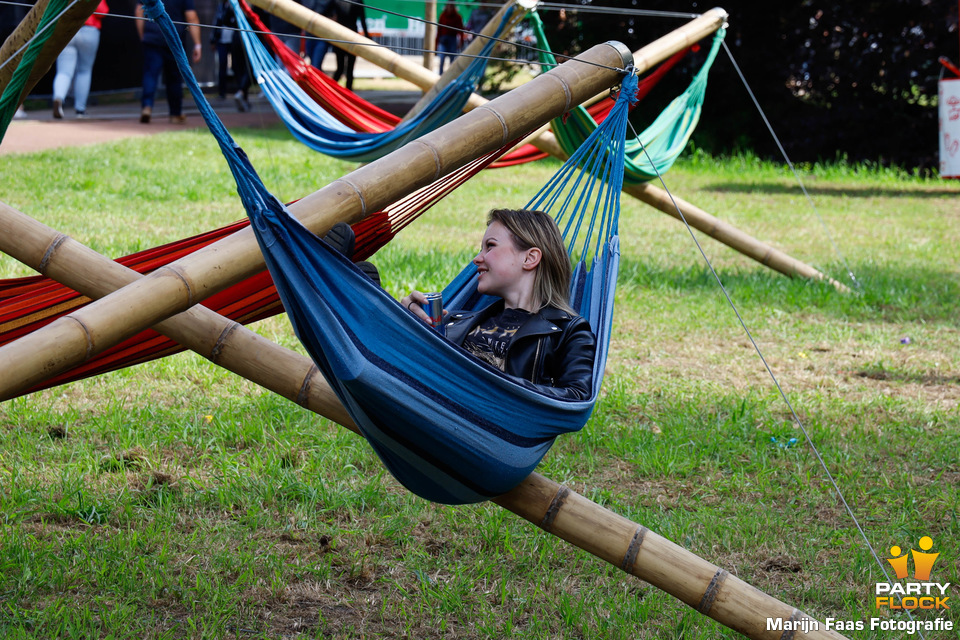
(477, 259)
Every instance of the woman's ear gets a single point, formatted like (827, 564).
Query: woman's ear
(532, 259)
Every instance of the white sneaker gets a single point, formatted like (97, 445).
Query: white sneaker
(20, 114)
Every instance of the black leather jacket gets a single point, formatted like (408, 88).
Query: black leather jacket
(553, 352)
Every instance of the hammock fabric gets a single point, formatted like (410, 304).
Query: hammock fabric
(321, 131)
(443, 422)
(362, 116)
(342, 103)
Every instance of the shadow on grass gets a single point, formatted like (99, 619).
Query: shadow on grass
(888, 293)
(849, 192)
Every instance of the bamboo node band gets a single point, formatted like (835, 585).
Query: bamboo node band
(438, 169)
(635, 543)
(359, 194)
(219, 345)
(555, 505)
(303, 397)
(713, 589)
(186, 283)
(51, 250)
(790, 632)
(86, 334)
(505, 136)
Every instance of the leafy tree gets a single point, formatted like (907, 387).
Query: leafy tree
(833, 78)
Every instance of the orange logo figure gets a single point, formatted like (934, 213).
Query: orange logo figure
(922, 562)
(899, 564)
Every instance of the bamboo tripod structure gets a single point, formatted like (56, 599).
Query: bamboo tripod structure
(548, 505)
(426, 80)
(554, 508)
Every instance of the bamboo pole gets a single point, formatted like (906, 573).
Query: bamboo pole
(554, 508)
(520, 9)
(65, 28)
(544, 140)
(178, 286)
(429, 33)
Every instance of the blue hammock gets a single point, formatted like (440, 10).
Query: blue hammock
(322, 132)
(450, 428)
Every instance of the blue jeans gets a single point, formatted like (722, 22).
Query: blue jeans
(447, 47)
(317, 49)
(155, 60)
(75, 65)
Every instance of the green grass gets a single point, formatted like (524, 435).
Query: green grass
(174, 499)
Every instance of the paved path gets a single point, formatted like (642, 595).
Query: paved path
(40, 131)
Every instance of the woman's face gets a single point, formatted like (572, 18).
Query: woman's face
(499, 263)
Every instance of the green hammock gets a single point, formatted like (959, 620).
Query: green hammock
(655, 150)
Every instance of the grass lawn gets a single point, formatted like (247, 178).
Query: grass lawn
(174, 499)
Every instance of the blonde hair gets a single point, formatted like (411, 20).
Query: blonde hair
(528, 229)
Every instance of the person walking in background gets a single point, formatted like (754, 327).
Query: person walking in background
(349, 12)
(317, 48)
(221, 39)
(157, 57)
(231, 56)
(75, 64)
(478, 19)
(449, 34)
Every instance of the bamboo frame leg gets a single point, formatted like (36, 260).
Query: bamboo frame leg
(554, 508)
(65, 28)
(544, 140)
(218, 339)
(175, 288)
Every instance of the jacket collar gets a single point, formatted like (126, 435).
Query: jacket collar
(547, 321)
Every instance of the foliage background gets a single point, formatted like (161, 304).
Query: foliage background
(835, 79)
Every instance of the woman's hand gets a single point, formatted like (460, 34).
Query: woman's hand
(414, 301)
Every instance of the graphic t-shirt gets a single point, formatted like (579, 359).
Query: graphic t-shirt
(490, 339)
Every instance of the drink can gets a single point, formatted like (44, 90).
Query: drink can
(434, 309)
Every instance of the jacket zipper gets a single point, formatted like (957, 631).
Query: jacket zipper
(534, 376)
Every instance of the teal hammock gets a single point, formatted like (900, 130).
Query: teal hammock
(655, 150)
(449, 427)
(323, 132)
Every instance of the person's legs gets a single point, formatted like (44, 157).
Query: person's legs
(66, 65)
(152, 66)
(341, 63)
(351, 62)
(342, 238)
(446, 47)
(174, 82)
(88, 40)
(223, 57)
(241, 73)
(317, 52)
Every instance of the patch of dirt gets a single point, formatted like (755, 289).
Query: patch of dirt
(925, 371)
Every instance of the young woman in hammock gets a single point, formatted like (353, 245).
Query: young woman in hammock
(531, 333)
